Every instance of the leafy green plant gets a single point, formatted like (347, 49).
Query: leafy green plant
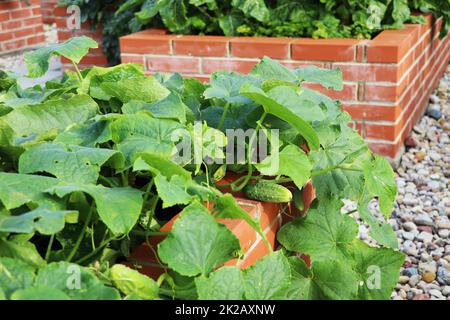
(272, 18)
(89, 170)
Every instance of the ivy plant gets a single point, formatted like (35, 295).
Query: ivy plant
(90, 168)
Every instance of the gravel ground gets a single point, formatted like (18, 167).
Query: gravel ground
(421, 218)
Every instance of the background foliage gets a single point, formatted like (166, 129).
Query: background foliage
(273, 18)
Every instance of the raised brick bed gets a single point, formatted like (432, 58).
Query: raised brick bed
(47, 8)
(21, 25)
(94, 57)
(387, 79)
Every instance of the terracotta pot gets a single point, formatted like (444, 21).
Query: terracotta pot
(269, 214)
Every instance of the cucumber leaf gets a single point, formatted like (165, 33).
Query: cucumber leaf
(197, 243)
(73, 49)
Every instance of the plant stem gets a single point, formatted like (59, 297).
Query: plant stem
(224, 114)
(326, 170)
(149, 233)
(80, 77)
(249, 154)
(81, 236)
(49, 247)
(93, 253)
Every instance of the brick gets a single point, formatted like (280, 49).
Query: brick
(32, 21)
(390, 46)
(14, 45)
(126, 58)
(258, 47)
(363, 111)
(208, 46)
(241, 66)
(382, 131)
(377, 92)
(173, 64)
(10, 25)
(9, 5)
(4, 16)
(20, 33)
(146, 43)
(324, 49)
(5, 36)
(349, 91)
(38, 39)
(90, 59)
(368, 72)
(301, 64)
(20, 14)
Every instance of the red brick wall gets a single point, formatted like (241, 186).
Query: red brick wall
(387, 80)
(95, 56)
(47, 7)
(20, 25)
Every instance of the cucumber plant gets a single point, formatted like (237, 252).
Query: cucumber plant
(89, 169)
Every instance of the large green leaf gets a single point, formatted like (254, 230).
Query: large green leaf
(131, 282)
(380, 182)
(254, 8)
(226, 85)
(19, 189)
(71, 163)
(227, 207)
(39, 293)
(377, 269)
(158, 164)
(173, 14)
(73, 49)
(347, 150)
(44, 221)
(304, 108)
(269, 69)
(21, 250)
(329, 78)
(292, 162)
(324, 233)
(268, 279)
(274, 107)
(140, 133)
(119, 208)
(329, 279)
(170, 107)
(27, 121)
(77, 282)
(224, 284)
(197, 243)
(14, 275)
(88, 134)
(146, 89)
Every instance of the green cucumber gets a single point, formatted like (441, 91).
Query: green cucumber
(298, 200)
(267, 192)
(219, 174)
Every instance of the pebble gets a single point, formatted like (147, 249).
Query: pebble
(410, 272)
(443, 276)
(429, 277)
(446, 291)
(423, 220)
(421, 296)
(409, 226)
(425, 237)
(414, 280)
